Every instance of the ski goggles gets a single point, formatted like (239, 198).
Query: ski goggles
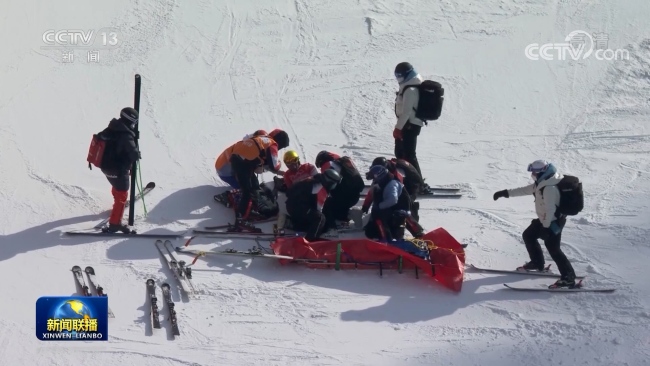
(537, 166)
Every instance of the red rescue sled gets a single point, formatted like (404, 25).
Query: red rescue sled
(446, 264)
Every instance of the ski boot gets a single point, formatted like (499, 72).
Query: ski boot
(278, 231)
(532, 267)
(243, 226)
(223, 198)
(568, 282)
(114, 228)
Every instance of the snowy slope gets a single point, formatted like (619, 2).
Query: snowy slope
(216, 70)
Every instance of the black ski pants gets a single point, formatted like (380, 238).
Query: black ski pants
(552, 242)
(311, 221)
(405, 148)
(244, 173)
(337, 206)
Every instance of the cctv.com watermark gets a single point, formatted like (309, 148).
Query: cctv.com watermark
(578, 45)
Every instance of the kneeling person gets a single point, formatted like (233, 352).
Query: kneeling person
(305, 201)
(390, 206)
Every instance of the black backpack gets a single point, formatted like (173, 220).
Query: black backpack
(431, 97)
(571, 196)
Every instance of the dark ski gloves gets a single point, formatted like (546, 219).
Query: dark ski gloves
(499, 194)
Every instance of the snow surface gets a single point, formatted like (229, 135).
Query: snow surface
(215, 70)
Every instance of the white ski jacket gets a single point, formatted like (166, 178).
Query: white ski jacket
(546, 204)
(406, 103)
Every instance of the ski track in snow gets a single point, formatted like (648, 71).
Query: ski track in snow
(322, 70)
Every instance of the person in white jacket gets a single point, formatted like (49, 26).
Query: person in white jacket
(548, 225)
(407, 129)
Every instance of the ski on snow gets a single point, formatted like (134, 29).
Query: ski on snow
(578, 288)
(92, 232)
(255, 252)
(148, 188)
(178, 270)
(167, 298)
(545, 273)
(90, 272)
(76, 270)
(153, 302)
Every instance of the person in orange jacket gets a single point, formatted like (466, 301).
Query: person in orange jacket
(240, 163)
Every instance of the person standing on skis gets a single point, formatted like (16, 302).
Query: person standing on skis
(119, 155)
(408, 126)
(548, 225)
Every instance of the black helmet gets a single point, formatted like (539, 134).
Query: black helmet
(402, 69)
(280, 137)
(322, 158)
(129, 116)
(329, 179)
(379, 161)
(376, 172)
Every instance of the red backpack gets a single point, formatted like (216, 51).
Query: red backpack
(97, 149)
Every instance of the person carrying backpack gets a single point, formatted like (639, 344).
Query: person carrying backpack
(118, 155)
(556, 196)
(416, 102)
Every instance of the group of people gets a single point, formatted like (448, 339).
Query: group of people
(317, 197)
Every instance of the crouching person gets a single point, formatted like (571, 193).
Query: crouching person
(390, 206)
(305, 201)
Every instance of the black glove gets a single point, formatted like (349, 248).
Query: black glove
(499, 194)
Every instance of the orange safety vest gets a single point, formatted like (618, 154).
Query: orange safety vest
(254, 148)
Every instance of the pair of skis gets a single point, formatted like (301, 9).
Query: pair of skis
(99, 290)
(153, 303)
(98, 230)
(433, 192)
(255, 252)
(182, 273)
(545, 273)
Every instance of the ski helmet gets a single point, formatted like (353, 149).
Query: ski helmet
(129, 116)
(329, 179)
(291, 157)
(537, 167)
(376, 172)
(379, 161)
(322, 158)
(402, 70)
(280, 137)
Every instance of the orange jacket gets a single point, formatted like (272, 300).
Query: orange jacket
(261, 149)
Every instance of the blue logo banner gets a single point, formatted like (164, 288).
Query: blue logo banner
(72, 318)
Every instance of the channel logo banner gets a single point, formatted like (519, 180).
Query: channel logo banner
(72, 318)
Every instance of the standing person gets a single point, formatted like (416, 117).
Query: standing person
(295, 173)
(305, 202)
(408, 126)
(240, 163)
(347, 193)
(119, 155)
(549, 223)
